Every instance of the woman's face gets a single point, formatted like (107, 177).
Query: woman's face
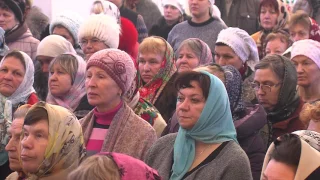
(224, 55)
(190, 105)
(268, 88)
(90, 45)
(307, 70)
(199, 8)
(268, 17)
(149, 65)
(102, 91)
(7, 19)
(299, 32)
(60, 81)
(171, 13)
(12, 73)
(276, 46)
(187, 60)
(276, 170)
(45, 62)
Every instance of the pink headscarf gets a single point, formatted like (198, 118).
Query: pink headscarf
(131, 168)
(72, 99)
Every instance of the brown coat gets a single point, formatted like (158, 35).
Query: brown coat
(127, 134)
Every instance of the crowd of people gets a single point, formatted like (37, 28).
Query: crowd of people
(211, 90)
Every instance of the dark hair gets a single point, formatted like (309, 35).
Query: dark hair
(184, 80)
(4, 6)
(287, 150)
(271, 3)
(36, 114)
(274, 63)
(17, 55)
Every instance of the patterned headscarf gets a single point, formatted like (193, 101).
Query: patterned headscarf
(131, 168)
(72, 99)
(7, 103)
(110, 9)
(311, 137)
(152, 90)
(314, 30)
(215, 125)
(282, 20)
(234, 89)
(65, 148)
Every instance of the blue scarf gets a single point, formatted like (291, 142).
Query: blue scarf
(215, 125)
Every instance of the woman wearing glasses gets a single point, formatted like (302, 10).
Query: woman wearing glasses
(275, 84)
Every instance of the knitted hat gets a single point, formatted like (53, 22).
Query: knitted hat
(53, 46)
(308, 48)
(117, 64)
(17, 7)
(174, 3)
(102, 27)
(241, 43)
(71, 21)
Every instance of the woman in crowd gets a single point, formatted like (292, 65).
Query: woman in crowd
(157, 73)
(112, 126)
(275, 84)
(16, 80)
(49, 48)
(67, 84)
(292, 157)
(205, 146)
(67, 24)
(277, 42)
(305, 56)
(113, 166)
(235, 47)
(51, 142)
(98, 32)
(193, 53)
(17, 35)
(173, 15)
(310, 115)
(273, 16)
(128, 41)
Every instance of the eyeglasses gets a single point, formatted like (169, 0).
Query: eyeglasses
(94, 41)
(264, 87)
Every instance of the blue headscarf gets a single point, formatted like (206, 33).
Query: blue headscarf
(215, 125)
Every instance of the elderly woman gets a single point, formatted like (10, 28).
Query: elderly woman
(193, 53)
(157, 73)
(113, 166)
(17, 35)
(293, 156)
(235, 47)
(67, 84)
(272, 16)
(305, 56)
(49, 48)
(205, 146)
(277, 42)
(98, 32)
(112, 126)
(173, 15)
(51, 142)
(275, 84)
(16, 80)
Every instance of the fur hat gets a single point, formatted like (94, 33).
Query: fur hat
(117, 64)
(71, 21)
(102, 27)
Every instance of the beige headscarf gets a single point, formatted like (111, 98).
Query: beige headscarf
(65, 148)
(309, 160)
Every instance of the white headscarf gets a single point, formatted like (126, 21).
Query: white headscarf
(241, 43)
(20, 95)
(54, 45)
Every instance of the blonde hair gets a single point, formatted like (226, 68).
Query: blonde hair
(310, 112)
(282, 35)
(153, 45)
(97, 7)
(213, 69)
(98, 167)
(300, 17)
(22, 111)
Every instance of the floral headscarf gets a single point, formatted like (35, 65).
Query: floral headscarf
(314, 30)
(282, 21)
(65, 148)
(72, 99)
(152, 90)
(234, 89)
(7, 103)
